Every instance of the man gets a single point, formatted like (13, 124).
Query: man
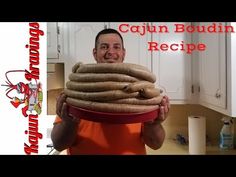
(87, 137)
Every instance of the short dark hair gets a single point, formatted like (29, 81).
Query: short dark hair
(108, 31)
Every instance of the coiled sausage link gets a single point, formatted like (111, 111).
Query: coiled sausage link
(95, 86)
(101, 77)
(76, 66)
(139, 101)
(130, 65)
(120, 68)
(100, 96)
(150, 92)
(137, 86)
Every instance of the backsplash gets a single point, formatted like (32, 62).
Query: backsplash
(177, 121)
(55, 76)
(51, 100)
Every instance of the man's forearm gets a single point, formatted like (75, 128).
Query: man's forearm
(63, 135)
(153, 135)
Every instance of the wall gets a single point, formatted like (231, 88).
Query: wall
(55, 85)
(55, 76)
(51, 100)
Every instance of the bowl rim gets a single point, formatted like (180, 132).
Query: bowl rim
(114, 118)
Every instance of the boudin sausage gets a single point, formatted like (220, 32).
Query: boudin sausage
(76, 66)
(139, 101)
(120, 68)
(110, 107)
(100, 96)
(95, 86)
(137, 86)
(100, 77)
(130, 65)
(150, 92)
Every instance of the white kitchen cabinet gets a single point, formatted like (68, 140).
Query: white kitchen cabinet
(172, 68)
(57, 52)
(212, 69)
(216, 71)
(82, 40)
(52, 40)
(57, 42)
(231, 73)
(81, 37)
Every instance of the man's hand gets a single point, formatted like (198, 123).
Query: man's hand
(152, 132)
(164, 109)
(64, 133)
(62, 109)
(163, 112)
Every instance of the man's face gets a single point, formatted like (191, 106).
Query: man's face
(109, 49)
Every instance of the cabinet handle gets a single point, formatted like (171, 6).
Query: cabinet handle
(59, 48)
(217, 95)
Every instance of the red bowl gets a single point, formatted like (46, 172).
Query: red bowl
(114, 118)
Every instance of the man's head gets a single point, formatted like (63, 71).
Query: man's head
(109, 47)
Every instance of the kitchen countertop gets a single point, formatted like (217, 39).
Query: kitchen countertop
(171, 147)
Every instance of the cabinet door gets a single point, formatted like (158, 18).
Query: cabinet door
(52, 40)
(81, 43)
(82, 40)
(212, 71)
(172, 68)
(135, 45)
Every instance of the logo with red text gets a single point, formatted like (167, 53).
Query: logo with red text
(24, 89)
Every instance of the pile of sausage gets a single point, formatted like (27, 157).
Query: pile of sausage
(112, 87)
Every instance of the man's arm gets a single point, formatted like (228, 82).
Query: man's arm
(153, 132)
(64, 133)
